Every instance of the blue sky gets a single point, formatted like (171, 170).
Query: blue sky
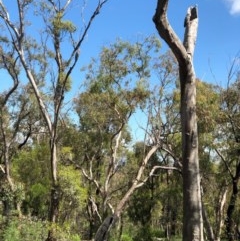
(218, 39)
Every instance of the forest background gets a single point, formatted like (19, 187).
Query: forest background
(112, 122)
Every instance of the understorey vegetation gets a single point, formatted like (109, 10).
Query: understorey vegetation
(134, 155)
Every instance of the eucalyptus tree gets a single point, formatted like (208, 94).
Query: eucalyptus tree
(192, 209)
(214, 195)
(114, 91)
(228, 148)
(116, 87)
(17, 123)
(43, 59)
(8, 144)
(7, 137)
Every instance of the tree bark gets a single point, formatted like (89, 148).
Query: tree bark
(192, 208)
(108, 223)
(208, 227)
(219, 218)
(230, 226)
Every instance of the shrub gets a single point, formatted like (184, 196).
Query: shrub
(126, 237)
(25, 230)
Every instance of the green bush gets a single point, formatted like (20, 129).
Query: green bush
(144, 234)
(25, 230)
(126, 237)
(64, 233)
(148, 233)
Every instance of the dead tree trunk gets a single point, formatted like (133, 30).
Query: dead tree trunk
(192, 209)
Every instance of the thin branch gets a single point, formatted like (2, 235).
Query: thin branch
(145, 161)
(225, 163)
(66, 5)
(5, 16)
(29, 133)
(179, 164)
(2, 169)
(54, 6)
(151, 173)
(75, 52)
(19, 38)
(91, 179)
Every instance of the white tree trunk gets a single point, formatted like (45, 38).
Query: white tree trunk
(107, 224)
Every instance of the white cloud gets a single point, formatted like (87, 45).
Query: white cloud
(234, 6)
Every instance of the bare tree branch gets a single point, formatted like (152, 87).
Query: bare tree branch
(225, 163)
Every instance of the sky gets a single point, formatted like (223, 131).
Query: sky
(218, 41)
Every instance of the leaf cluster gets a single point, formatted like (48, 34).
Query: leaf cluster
(61, 26)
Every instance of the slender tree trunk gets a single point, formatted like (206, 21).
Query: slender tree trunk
(108, 223)
(230, 227)
(219, 218)
(55, 192)
(229, 220)
(120, 229)
(192, 208)
(215, 234)
(208, 227)
(7, 204)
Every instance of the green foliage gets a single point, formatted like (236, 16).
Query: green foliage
(126, 237)
(38, 190)
(25, 230)
(208, 100)
(71, 186)
(6, 193)
(64, 233)
(64, 81)
(31, 169)
(32, 165)
(146, 233)
(62, 26)
(124, 68)
(73, 201)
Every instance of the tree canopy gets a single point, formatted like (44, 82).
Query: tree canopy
(74, 170)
